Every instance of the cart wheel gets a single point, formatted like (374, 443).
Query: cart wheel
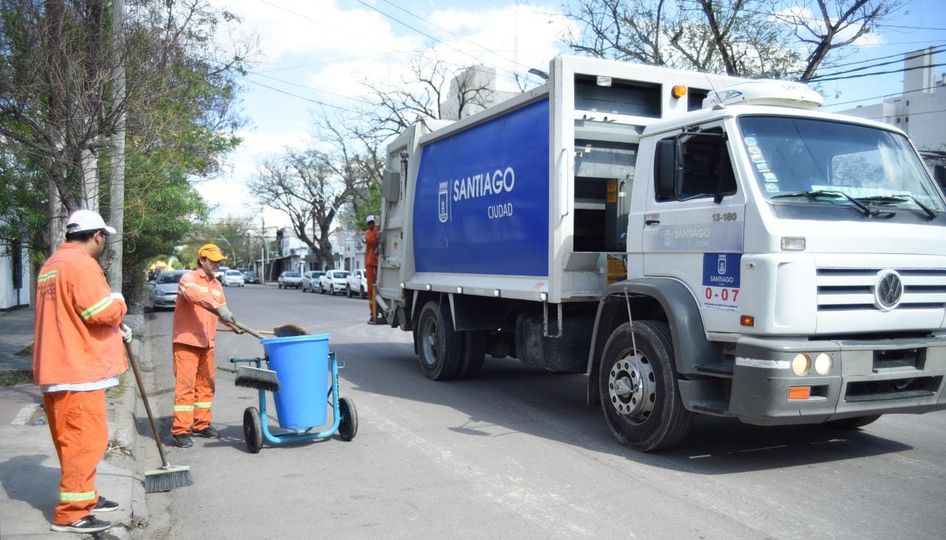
(252, 430)
(348, 426)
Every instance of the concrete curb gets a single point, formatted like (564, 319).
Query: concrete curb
(123, 440)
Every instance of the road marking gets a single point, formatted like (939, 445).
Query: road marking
(25, 414)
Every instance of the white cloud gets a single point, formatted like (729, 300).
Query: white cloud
(331, 50)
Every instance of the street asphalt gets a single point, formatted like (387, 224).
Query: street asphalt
(517, 453)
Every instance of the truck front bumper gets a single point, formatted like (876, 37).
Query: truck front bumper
(866, 377)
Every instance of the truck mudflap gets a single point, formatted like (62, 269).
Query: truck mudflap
(862, 378)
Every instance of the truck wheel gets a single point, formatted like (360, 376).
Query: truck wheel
(639, 392)
(474, 351)
(364, 292)
(348, 291)
(852, 423)
(439, 346)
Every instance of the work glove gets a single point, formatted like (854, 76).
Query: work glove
(226, 315)
(126, 332)
(118, 296)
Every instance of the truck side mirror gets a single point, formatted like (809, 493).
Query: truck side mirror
(666, 169)
(391, 186)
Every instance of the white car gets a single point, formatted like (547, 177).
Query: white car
(358, 283)
(333, 281)
(233, 278)
(221, 272)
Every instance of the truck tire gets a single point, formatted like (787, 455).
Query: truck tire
(439, 346)
(851, 423)
(348, 291)
(474, 351)
(639, 393)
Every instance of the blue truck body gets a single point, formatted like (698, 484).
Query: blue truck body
(483, 193)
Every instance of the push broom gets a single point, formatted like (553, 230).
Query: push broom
(167, 476)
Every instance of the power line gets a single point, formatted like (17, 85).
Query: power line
(917, 54)
(471, 42)
(882, 96)
(317, 102)
(306, 87)
(857, 76)
(425, 34)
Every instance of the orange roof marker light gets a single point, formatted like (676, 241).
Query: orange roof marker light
(679, 91)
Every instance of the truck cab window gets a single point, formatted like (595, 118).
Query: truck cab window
(707, 168)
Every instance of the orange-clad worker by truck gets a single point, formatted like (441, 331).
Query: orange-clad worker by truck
(77, 355)
(200, 304)
(372, 236)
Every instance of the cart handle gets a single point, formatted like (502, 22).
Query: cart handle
(258, 360)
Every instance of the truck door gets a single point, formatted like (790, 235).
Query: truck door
(694, 221)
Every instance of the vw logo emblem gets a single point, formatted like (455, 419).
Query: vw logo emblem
(888, 291)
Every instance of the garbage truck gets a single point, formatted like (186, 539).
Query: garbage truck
(693, 243)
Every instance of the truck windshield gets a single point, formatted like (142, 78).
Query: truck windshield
(794, 158)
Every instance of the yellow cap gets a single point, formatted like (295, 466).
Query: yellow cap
(211, 251)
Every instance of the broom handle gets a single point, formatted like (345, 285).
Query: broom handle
(243, 327)
(144, 397)
(248, 330)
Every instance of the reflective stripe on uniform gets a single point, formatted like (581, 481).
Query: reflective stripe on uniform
(203, 404)
(183, 408)
(42, 278)
(97, 307)
(70, 496)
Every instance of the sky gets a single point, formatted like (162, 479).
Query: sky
(315, 55)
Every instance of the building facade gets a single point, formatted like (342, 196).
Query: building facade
(15, 276)
(920, 110)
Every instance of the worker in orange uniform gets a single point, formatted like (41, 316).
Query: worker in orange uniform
(77, 355)
(200, 304)
(372, 237)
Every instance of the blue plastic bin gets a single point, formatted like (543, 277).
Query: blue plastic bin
(301, 364)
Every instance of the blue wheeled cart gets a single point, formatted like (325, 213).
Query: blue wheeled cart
(302, 365)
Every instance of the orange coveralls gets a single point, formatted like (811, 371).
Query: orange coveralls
(78, 344)
(371, 266)
(192, 339)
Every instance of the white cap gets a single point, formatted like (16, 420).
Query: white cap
(371, 218)
(86, 220)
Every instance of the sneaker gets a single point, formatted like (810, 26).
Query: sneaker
(87, 525)
(105, 505)
(183, 441)
(208, 433)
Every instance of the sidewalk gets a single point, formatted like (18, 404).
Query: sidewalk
(29, 468)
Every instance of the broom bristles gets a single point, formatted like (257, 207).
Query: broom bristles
(288, 330)
(167, 478)
(261, 379)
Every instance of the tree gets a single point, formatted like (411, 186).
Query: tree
(60, 102)
(303, 186)
(424, 94)
(750, 38)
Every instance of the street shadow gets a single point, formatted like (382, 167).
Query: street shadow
(521, 399)
(26, 479)
(232, 437)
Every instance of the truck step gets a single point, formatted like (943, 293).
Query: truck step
(719, 370)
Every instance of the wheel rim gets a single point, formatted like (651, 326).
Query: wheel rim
(428, 341)
(632, 387)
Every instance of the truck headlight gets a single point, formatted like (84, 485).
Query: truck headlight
(801, 364)
(823, 364)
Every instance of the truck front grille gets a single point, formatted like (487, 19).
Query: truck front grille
(844, 289)
(911, 387)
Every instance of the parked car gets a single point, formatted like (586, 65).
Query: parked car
(250, 276)
(222, 271)
(289, 279)
(358, 283)
(333, 281)
(163, 292)
(310, 280)
(233, 278)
